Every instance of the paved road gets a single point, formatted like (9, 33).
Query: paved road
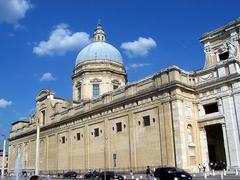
(228, 177)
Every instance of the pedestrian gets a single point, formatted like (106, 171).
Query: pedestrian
(35, 177)
(204, 167)
(199, 167)
(149, 173)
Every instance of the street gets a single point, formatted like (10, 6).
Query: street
(228, 177)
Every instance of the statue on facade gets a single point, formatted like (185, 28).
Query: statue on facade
(231, 49)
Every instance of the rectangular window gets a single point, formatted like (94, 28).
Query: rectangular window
(146, 120)
(115, 87)
(96, 132)
(78, 136)
(43, 117)
(224, 56)
(63, 140)
(79, 93)
(119, 126)
(211, 108)
(96, 92)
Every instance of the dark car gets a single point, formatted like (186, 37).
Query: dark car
(91, 174)
(24, 173)
(109, 175)
(70, 174)
(219, 165)
(169, 173)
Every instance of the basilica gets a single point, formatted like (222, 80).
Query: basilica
(172, 118)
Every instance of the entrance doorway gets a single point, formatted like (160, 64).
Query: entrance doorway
(215, 141)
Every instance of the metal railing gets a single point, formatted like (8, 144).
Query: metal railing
(123, 171)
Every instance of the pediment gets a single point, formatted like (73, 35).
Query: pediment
(116, 82)
(43, 94)
(95, 80)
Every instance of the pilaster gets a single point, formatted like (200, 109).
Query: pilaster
(231, 131)
(179, 134)
(132, 141)
(204, 146)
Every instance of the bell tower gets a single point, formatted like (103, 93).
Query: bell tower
(222, 45)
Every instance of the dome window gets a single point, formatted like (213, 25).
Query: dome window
(96, 90)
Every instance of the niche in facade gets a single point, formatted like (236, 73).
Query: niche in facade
(224, 56)
(210, 108)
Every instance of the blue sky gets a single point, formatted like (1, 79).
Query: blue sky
(150, 34)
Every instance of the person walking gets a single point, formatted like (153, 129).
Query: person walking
(149, 173)
(199, 167)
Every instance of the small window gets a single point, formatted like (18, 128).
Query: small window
(79, 93)
(96, 132)
(224, 56)
(43, 117)
(119, 126)
(189, 134)
(211, 108)
(146, 120)
(63, 140)
(115, 87)
(96, 92)
(78, 136)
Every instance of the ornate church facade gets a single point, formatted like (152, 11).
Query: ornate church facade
(172, 118)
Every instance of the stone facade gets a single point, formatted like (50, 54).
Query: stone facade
(163, 120)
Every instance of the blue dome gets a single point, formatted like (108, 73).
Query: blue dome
(99, 50)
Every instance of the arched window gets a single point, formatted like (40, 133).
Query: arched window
(189, 134)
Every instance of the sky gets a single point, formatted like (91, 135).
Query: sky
(40, 40)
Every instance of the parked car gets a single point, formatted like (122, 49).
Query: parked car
(219, 165)
(169, 173)
(91, 174)
(109, 175)
(70, 174)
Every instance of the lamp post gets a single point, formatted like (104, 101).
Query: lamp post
(3, 156)
(37, 150)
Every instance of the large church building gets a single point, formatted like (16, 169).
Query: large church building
(172, 118)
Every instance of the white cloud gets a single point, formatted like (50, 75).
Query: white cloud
(140, 47)
(47, 77)
(11, 11)
(61, 40)
(4, 103)
(135, 66)
(22, 118)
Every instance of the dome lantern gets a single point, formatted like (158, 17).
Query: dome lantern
(99, 34)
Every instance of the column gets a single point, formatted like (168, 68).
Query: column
(37, 151)
(204, 145)
(3, 157)
(226, 144)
